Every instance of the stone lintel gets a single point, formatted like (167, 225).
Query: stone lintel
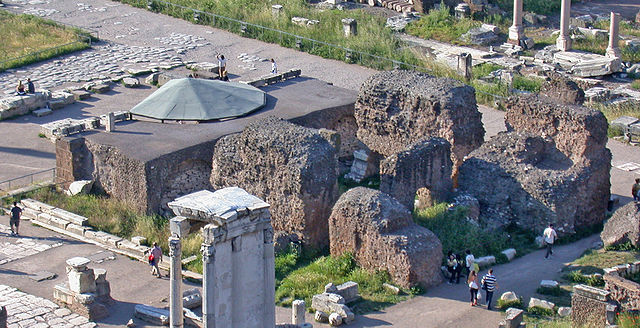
(591, 292)
(179, 226)
(214, 234)
(78, 263)
(220, 207)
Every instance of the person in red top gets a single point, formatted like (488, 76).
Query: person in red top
(155, 256)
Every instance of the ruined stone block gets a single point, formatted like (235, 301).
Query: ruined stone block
(349, 291)
(381, 234)
(291, 167)
(82, 281)
(395, 109)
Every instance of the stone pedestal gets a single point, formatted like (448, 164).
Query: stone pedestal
(563, 43)
(175, 295)
(349, 26)
(86, 292)
(613, 50)
(465, 64)
(297, 312)
(111, 122)
(237, 256)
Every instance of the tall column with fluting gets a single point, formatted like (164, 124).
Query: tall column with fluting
(175, 310)
(208, 285)
(563, 42)
(516, 31)
(613, 51)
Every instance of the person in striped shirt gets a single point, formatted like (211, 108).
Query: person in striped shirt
(489, 284)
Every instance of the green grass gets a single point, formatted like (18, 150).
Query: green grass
(298, 277)
(546, 322)
(485, 69)
(579, 278)
(441, 25)
(613, 111)
(540, 311)
(543, 7)
(118, 218)
(526, 84)
(22, 35)
(345, 184)
(635, 84)
(503, 305)
(458, 234)
(593, 261)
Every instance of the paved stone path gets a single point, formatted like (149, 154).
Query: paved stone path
(28, 311)
(21, 247)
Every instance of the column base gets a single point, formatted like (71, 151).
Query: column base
(516, 33)
(563, 44)
(614, 53)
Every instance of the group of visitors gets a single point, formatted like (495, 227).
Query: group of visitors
(20, 89)
(458, 265)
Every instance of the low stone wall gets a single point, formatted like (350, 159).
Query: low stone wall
(624, 291)
(19, 105)
(73, 224)
(591, 307)
(273, 78)
(68, 126)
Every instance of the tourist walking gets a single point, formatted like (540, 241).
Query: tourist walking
(469, 261)
(155, 256)
(14, 221)
(472, 282)
(550, 237)
(489, 284)
(635, 189)
(274, 67)
(222, 66)
(31, 88)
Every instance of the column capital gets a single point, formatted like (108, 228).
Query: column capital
(208, 253)
(175, 246)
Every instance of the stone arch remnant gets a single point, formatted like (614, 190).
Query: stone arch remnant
(425, 166)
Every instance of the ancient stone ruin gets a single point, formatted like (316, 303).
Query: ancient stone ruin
(553, 166)
(592, 307)
(87, 291)
(424, 167)
(397, 108)
(381, 234)
(291, 167)
(623, 226)
(237, 257)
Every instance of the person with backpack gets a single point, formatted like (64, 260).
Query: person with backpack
(489, 284)
(155, 256)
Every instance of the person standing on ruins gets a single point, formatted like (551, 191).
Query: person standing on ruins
(155, 256)
(550, 237)
(14, 221)
(30, 87)
(489, 284)
(222, 66)
(635, 189)
(274, 67)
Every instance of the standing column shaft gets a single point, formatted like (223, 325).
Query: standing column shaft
(175, 310)
(516, 30)
(614, 30)
(563, 42)
(269, 278)
(208, 286)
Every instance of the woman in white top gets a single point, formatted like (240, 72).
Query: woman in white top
(472, 281)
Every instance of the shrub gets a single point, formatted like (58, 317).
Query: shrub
(537, 310)
(441, 25)
(503, 305)
(579, 278)
(626, 246)
(614, 131)
(553, 291)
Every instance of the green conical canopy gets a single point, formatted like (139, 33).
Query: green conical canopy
(201, 100)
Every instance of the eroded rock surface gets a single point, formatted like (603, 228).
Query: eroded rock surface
(293, 168)
(395, 109)
(623, 226)
(381, 234)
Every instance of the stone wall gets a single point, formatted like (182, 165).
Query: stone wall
(590, 307)
(427, 165)
(623, 291)
(381, 235)
(623, 226)
(397, 108)
(148, 186)
(293, 168)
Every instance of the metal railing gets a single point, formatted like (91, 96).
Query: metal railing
(283, 38)
(45, 176)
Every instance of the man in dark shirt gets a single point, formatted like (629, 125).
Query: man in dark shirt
(16, 212)
(30, 87)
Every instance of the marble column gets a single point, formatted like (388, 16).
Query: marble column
(563, 42)
(613, 50)
(208, 285)
(269, 275)
(175, 310)
(516, 31)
